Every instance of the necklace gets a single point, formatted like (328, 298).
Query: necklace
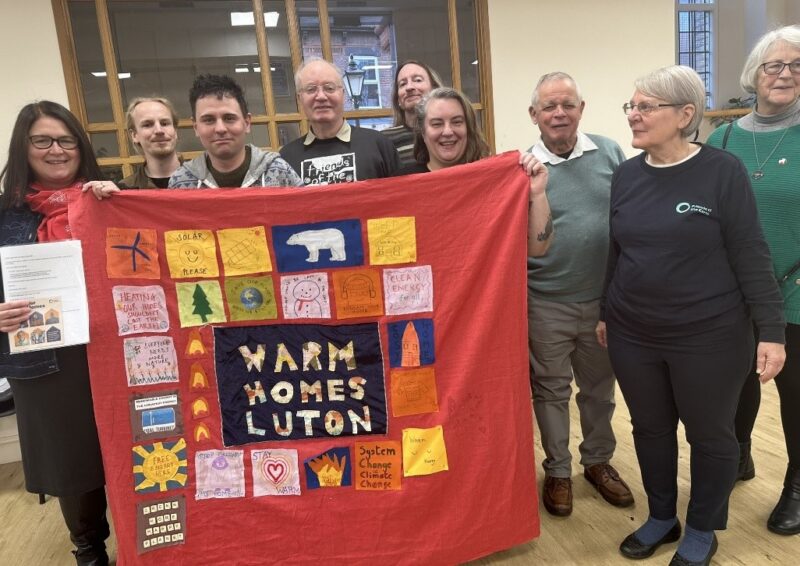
(759, 172)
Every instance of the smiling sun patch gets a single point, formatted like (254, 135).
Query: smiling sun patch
(191, 253)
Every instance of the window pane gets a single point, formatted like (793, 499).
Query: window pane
(371, 123)
(90, 60)
(367, 33)
(421, 32)
(468, 49)
(164, 45)
(308, 18)
(105, 144)
(378, 36)
(188, 141)
(288, 131)
(112, 173)
(259, 135)
(283, 85)
(280, 57)
(695, 46)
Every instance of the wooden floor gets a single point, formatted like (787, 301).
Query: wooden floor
(33, 534)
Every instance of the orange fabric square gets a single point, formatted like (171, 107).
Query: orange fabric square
(358, 293)
(378, 465)
(414, 392)
(131, 253)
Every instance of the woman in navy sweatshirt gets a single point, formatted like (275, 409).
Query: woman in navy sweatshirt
(688, 270)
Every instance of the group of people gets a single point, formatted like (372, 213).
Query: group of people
(663, 271)
(697, 303)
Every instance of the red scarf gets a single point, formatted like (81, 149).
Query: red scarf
(52, 205)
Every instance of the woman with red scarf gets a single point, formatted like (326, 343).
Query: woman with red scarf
(49, 154)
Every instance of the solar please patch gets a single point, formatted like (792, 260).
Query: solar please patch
(290, 382)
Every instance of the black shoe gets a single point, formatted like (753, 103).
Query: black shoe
(678, 560)
(785, 518)
(747, 468)
(91, 556)
(632, 548)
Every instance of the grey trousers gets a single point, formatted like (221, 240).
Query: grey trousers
(562, 344)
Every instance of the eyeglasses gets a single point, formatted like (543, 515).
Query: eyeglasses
(776, 67)
(45, 142)
(645, 108)
(327, 88)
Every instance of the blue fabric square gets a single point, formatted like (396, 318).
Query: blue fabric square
(423, 328)
(304, 247)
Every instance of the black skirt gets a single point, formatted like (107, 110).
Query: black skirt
(57, 431)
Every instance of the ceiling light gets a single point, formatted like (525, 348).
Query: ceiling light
(102, 74)
(271, 19)
(247, 19)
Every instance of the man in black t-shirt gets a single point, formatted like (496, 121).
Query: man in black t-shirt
(333, 151)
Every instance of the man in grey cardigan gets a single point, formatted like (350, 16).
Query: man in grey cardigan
(564, 289)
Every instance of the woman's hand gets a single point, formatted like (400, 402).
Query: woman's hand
(600, 332)
(12, 314)
(101, 189)
(769, 360)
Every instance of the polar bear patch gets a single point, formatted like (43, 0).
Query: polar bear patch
(329, 239)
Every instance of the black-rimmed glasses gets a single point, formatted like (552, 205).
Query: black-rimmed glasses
(645, 108)
(45, 142)
(776, 67)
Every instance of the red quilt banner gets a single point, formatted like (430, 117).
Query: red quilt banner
(310, 374)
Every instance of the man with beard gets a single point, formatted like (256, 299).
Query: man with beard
(152, 124)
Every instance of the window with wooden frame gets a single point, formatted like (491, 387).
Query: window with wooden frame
(116, 50)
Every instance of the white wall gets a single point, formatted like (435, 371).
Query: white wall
(30, 61)
(603, 45)
(740, 25)
(29, 73)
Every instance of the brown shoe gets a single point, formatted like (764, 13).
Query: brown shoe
(557, 496)
(607, 481)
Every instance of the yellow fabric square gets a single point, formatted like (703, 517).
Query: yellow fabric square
(424, 451)
(199, 303)
(191, 253)
(244, 250)
(392, 240)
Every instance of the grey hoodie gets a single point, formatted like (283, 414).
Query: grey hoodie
(267, 169)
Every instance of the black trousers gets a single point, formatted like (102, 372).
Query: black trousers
(85, 517)
(696, 380)
(788, 383)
